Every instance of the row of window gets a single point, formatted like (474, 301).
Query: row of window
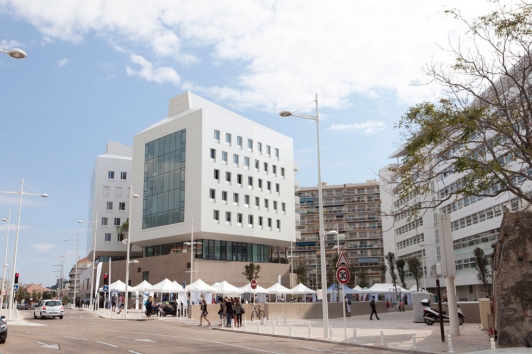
(459, 204)
(240, 179)
(475, 218)
(247, 200)
(239, 143)
(105, 222)
(108, 236)
(250, 220)
(415, 240)
(111, 175)
(410, 226)
(118, 192)
(247, 162)
(121, 206)
(476, 239)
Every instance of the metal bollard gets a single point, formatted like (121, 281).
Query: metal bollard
(278, 320)
(309, 331)
(245, 325)
(414, 344)
(330, 332)
(258, 327)
(290, 330)
(233, 324)
(284, 320)
(138, 313)
(274, 327)
(492, 344)
(355, 335)
(382, 339)
(450, 342)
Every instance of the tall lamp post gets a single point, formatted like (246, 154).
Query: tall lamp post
(95, 222)
(62, 272)
(8, 219)
(21, 193)
(76, 271)
(325, 309)
(14, 53)
(128, 243)
(192, 253)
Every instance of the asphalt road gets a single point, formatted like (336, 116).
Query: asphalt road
(83, 332)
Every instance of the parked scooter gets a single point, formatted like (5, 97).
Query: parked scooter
(169, 310)
(431, 315)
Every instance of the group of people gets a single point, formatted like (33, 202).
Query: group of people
(230, 309)
(115, 302)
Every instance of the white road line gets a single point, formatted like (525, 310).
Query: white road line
(133, 352)
(111, 345)
(44, 334)
(75, 338)
(199, 340)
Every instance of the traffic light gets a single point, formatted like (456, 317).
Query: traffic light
(105, 279)
(16, 278)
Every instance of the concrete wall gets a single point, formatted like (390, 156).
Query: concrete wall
(470, 309)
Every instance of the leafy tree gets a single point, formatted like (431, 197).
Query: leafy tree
(390, 257)
(301, 273)
(363, 278)
(123, 229)
(414, 266)
(251, 271)
(330, 277)
(383, 269)
(400, 264)
(352, 271)
(483, 271)
(481, 128)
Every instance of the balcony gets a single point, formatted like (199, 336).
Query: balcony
(296, 185)
(296, 200)
(298, 235)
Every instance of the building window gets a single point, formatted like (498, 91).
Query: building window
(224, 156)
(278, 224)
(123, 175)
(277, 187)
(277, 153)
(122, 206)
(250, 220)
(257, 202)
(266, 167)
(228, 138)
(239, 141)
(274, 169)
(120, 238)
(283, 207)
(250, 144)
(212, 194)
(239, 178)
(109, 205)
(216, 215)
(107, 237)
(117, 222)
(104, 221)
(213, 154)
(257, 164)
(282, 171)
(146, 276)
(246, 162)
(235, 159)
(228, 176)
(217, 175)
(275, 205)
(224, 196)
(239, 218)
(269, 222)
(260, 183)
(235, 198)
(260, 221)
(266, 203)
(259, 147)
(268, 150)
(228, 216)
(111, 174)
(217, 135)
(269, 185)
(106, 191)
(250, 181)
(118, 192)
(246, 199)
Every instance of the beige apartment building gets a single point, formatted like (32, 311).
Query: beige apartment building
(353, 210)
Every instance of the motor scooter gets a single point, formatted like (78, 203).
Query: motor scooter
(431, 315)
(169, 310)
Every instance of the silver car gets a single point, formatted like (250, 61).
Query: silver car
(49, 308)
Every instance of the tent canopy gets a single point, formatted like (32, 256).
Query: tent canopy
(278, 289)
(384, 288)
(226, 288)
(301, 289)
(357, 288)
(258, 290)
(165, 286)
(200, 285)
(141, 287)
(347, 290)
(117, 285)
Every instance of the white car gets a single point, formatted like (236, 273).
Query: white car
(49, 308)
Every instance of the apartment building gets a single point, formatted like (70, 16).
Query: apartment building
(225, 179)
(75, 276)
(353, 210)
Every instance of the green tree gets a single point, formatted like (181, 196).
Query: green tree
(251, 271)
(414, 266)
(383, 269)
(481, 128)
(123, 229)
(301, 273)
(483, 271)
(400, 264)
(352, 272)
(363, 278)
(390, 257)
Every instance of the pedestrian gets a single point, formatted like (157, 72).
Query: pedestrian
(387, 304)
(229, 306)
(119, 303)
(373, 308)
(204, 313)
(113, 302)
(239, 310)
(348, 306)
(401, 306)
(221, 312)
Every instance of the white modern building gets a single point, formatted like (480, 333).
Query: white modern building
(109, 198)
(475, 222)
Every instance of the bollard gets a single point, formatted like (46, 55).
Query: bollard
(274, 327)
(492, 344)
(450, 342)
(355, 335)
(290, 330)
(138, 313)
(284, 320)
(265, 321)
(330, 332)
(414, 344)
(309, 331)
(382, 339)
(233, 324)
(245, 325)
(278, 320)
(258, 327)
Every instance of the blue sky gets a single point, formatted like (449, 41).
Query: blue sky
(101, 70)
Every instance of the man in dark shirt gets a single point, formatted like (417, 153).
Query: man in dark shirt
(373, 308)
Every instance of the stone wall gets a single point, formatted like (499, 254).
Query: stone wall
(512, 280)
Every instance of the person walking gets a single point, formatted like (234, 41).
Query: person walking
(221, 312)
(348, 306)
(239, 310)
(204, 313)
(373, 308)
(113, 302)
(119, 303)
(230, 311)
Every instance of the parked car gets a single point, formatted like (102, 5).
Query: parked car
(23, 306)
(32, 307)
(3, 330)
(49, 308)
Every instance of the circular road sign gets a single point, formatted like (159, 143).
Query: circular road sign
(253, 284)
(342, 275)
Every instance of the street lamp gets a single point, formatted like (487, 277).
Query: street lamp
(8, 219)
(325, 309)
(14, 53)
(21, 192)
(192, 255)
(76, 271)
(95, 222)
(131, 196)
(62, 271)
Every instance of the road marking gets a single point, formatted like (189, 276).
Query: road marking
(138, 340)
(75, 338)
(111, 345)
(48, 346)
(200, 340)
(44, 334)
(133, 352)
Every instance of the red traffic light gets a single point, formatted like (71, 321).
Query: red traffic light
(105, 279)
(16, 278)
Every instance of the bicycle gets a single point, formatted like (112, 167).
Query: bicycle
(258, 312)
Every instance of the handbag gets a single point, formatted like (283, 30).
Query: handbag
(242, 311)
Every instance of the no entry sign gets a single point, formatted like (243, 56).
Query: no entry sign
(253, 284)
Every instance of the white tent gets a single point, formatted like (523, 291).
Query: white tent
(117, 285)
(200, 285)
(165, 286)
(388, 290)
(141, 287)
(301, 289)
(414, 288)
(226, 288)
(357, 288)
(258, 290)
(278, 289)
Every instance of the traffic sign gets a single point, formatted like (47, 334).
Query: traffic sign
(15, 287)
(342, 261)
(343, 275)
(253, 284)
(105, 288)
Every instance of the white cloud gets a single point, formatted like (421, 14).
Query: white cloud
(368, 127)
(10, 44)
(63, 62)
(147, 71)
(43, 247)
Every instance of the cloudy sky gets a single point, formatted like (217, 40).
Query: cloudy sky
(104, 70)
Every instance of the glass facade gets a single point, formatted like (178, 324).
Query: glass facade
(164, 181)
